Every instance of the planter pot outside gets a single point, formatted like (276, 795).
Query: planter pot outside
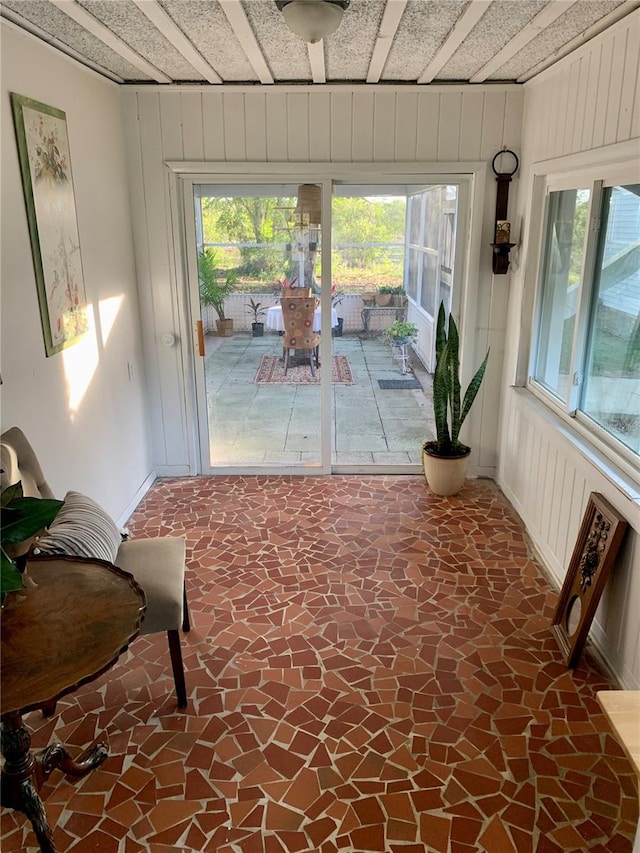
(399, 300)
(225, 328)
(337, 330)
(383, 299)
(368, 299)
(257, 330)
(445, 475)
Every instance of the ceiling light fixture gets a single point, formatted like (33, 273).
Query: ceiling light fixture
(312, 20)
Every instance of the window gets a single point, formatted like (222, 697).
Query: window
(587, 354)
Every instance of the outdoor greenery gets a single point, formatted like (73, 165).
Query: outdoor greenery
(448, 411)
(264, 233)
(400, 330)
(215, 284)
(22, 518)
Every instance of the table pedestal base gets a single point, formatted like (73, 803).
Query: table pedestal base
(24, 773)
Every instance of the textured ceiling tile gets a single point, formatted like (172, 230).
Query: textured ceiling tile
(286, 54)
(54, 22)
(208, 29)
(425, 25)
(579, 17)
(137, 31)
(348, 51)
(502, 21)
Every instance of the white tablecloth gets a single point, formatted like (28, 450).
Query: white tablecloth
(276, 323)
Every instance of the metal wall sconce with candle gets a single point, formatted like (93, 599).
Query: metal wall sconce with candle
(502, 236)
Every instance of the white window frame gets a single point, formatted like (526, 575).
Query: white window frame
(596, 178)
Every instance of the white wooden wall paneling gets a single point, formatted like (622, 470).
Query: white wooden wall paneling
(471, 125)
(595, 58)
(191, 123)
(341, 126)
(384, 118)
(255, 113)
(449, 127)
(320, 127)
(276, 128)
(406, 127)
(298, 127)
(629, 92)
(213, 125)
(235, 132)
(581, 95)
(428, 123)
(159, 134)
(615, 88)
(604, 78)
(572, 103)
(363, 120)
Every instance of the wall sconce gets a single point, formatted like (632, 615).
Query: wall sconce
(312, 20)
(502, 234)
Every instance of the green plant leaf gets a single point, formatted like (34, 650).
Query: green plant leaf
(10, 577)
(11, 493)
(441, 398)
(25, 517)
(453, 359)
(474, 387)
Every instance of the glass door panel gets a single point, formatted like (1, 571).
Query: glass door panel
(254, 242)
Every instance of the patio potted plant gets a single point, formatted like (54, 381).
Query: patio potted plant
(215, 287)
(256, 310)
(446, 459)
(384, 296)
(400, 332)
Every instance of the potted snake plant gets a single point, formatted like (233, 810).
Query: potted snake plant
(446, 459)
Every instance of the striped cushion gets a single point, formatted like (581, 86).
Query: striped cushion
(82, 529)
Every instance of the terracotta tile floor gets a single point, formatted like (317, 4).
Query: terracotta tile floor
(370, 669)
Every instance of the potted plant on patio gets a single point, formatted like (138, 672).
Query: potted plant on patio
(400, 332)
(384, 295)
(256, 310)
(215, 287)
(446, 459)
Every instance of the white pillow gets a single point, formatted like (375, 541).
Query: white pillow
(81, 529)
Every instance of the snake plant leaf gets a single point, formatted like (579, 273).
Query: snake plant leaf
(453, 344)
(441, 399)
(472, 390)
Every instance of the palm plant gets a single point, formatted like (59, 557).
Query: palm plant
(214, 289)
(446, 390)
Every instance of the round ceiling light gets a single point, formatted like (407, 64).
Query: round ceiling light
(312, 20)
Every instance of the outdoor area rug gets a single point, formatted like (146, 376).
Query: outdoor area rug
(271, 370)
(399, 384)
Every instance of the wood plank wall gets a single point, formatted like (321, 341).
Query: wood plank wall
(589, 102)
(299, 125)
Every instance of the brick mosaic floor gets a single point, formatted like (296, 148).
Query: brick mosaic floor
(370, 669)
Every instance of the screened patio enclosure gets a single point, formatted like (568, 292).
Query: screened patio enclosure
(391, 252)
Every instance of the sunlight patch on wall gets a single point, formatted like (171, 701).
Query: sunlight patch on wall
(80, 363)
(109, 310)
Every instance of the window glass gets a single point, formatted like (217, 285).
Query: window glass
(611, 394)
(412, 274)
(415, 215)
(562, 269)
(429, 282)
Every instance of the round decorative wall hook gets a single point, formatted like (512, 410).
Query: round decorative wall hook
(513, 154)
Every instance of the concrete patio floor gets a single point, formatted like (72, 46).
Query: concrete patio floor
(279, 424)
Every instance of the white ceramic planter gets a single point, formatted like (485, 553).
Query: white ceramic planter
(445, 476)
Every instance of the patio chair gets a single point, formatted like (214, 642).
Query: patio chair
(157, 564)
(297, 314)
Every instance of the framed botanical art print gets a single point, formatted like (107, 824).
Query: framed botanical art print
(45, 164)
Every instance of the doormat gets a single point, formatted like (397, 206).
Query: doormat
(399, 384)
(271, 370)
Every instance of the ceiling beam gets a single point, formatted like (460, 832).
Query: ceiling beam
(32, 28)
(174, 35)
(242, 28)
(465, 23)
(535, 26)
(316, 60)
(100, 31)
(393, 12)
(583, 37)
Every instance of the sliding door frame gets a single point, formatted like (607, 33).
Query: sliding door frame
(183, 176)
